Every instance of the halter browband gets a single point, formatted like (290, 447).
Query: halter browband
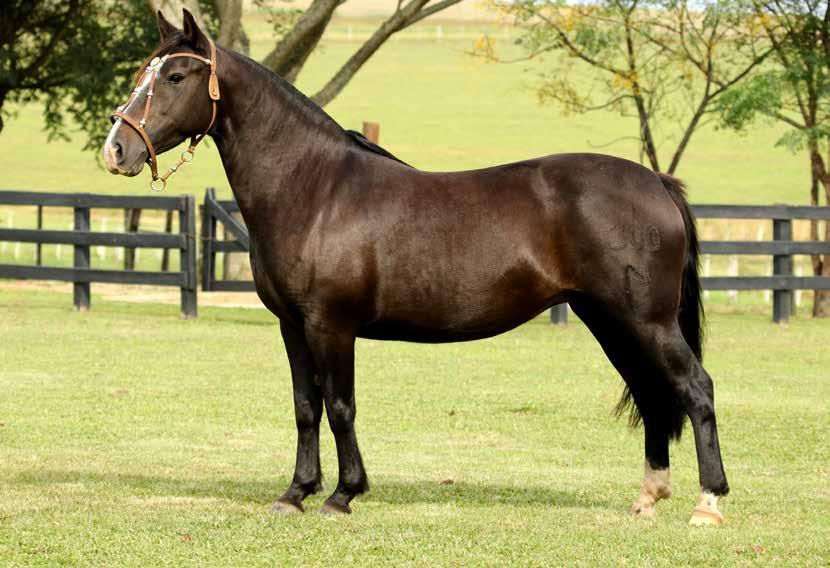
(154, 68)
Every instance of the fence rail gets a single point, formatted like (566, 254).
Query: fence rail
(215, 212)
(82, 238)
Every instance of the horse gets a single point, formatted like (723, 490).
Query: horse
(348, 241)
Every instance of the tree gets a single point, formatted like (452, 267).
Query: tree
(298, 32)
(644, 59)
(795, 90)
(76, 56)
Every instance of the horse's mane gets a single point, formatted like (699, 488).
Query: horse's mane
(366, 144)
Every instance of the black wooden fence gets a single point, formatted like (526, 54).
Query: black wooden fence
(82, 237)
(214, 212)
(781, 248)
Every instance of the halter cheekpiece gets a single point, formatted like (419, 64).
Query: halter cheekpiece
(152, 70)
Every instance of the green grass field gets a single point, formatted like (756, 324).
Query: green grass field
(129, 437)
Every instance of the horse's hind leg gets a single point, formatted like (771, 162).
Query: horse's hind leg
(641, 379)
(694, 389)
(666, 377)
(308, 410)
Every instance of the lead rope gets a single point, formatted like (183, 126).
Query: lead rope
(158, 182)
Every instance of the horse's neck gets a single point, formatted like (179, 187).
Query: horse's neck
(272, 143)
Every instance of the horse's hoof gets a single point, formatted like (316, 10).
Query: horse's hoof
(334, 509)
(286, 508)
(706, 513)
(643, 511)
(706, 517)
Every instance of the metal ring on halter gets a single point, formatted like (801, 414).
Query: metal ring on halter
(187, 156)
(155, 187)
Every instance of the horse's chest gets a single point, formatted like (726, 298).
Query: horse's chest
(277, 278)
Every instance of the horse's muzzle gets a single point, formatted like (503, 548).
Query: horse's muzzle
(120, 162)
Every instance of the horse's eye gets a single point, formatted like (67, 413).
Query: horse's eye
(176, 78)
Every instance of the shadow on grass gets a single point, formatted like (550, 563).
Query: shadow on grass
(393, 492)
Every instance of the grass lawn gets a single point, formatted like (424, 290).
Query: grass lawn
(131, 437)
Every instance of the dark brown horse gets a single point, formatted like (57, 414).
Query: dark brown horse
(347, 241)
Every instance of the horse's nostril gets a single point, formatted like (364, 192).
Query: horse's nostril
(118, 151)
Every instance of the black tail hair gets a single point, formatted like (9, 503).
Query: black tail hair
(691, 317)
(661, 403)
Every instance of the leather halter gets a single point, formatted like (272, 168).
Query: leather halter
(153, 69)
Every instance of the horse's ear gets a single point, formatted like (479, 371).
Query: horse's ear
(193, 34)
(165, 27)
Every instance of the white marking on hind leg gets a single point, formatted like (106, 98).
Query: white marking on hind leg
(706, 512)
(656, 486)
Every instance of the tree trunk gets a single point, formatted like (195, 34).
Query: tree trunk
(231, 32)
(687, 135)
(396, 22)
(646, 137)
(294, 47)
(821, 304)
(821, 263)
(310, 43)
(3, 92)
(172, 10)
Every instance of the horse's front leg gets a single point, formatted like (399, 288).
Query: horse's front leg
(333, 352)
(308, 409)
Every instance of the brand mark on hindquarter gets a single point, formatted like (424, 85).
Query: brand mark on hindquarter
(640, 237)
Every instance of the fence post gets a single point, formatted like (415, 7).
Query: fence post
(208, 238)
(39, 248)
(80, 290)
(187, 257)
(782, 265)
(559, 314)
(132, 219)
(165, 254)
(371, 130)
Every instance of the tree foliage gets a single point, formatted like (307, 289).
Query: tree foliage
(77, 57)
(795, 90)
(664, 63)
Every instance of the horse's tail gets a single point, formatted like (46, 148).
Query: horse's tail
(691, 314)
(661, 402)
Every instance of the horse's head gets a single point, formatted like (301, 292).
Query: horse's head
(174, 99)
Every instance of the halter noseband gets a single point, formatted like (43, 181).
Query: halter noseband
(153, 69)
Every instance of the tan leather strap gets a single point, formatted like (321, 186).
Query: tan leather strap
(154, 69)
(138, 128)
